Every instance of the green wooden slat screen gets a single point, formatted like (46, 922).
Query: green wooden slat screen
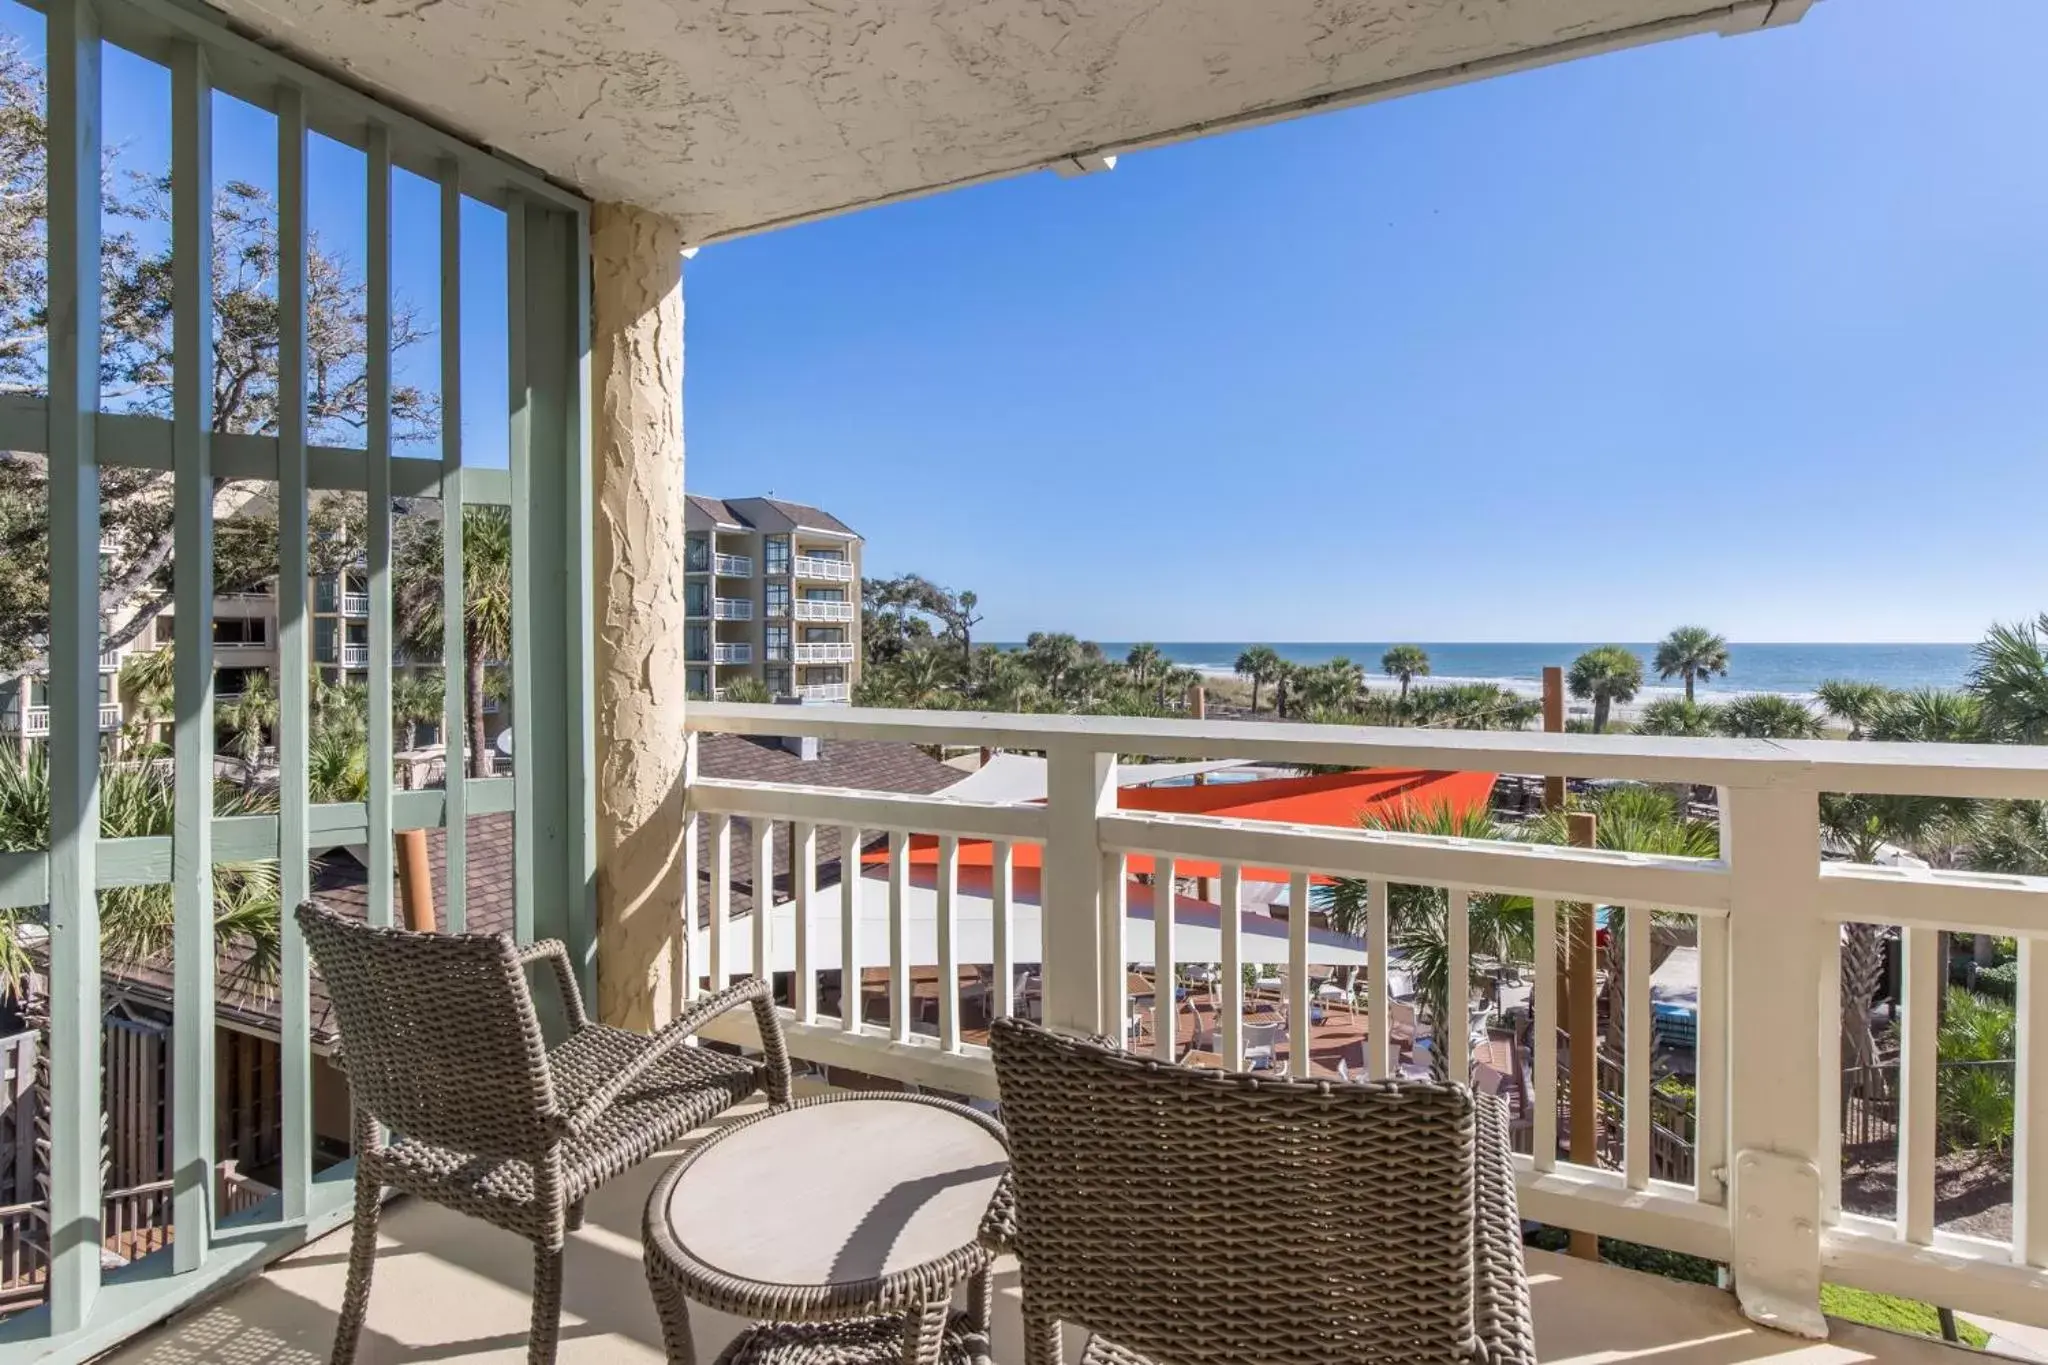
(545, 487)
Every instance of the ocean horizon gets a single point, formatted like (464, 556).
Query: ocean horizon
(1792, 669)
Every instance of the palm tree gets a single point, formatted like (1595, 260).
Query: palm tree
(338, 766)
(1604, 675)
(1055, 657)
(1770, 715)
(249, 719)
(1143, 661)
(923, 677)
(1691, 652)
(746, 689)
(417, 698)
(1406, 662)
(149, 680)
(1335, 686)
(1679, 716)
(1930, 715)
(486, 612)
(1855, 703)
(2010, 679)
(1286, 675)
(1261, 664)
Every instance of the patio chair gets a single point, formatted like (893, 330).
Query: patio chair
(1260, 1039)
(442, 1047)
(1165, 1209)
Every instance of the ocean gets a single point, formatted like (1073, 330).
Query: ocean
(1788, 668)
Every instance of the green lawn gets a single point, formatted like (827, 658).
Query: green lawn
(1894, 1315)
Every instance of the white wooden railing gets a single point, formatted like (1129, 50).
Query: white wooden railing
(732, 654)
(823, 569)
(825, 653)
(355, 604)
(832, 691)
(734, 566)
(808, 610)
(732, 609)
(1767, 912)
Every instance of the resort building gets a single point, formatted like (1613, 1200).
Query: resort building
(773, 594)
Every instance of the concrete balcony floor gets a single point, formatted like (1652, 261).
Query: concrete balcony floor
(449, 1289)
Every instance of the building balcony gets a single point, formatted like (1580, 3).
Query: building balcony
(823, 611)
(110, 661)
(822, 570)
(732, 609)
(732, 654)
(825, 692)
(355, 656)
(733, 566)
(35, 722)
(838, 652)
(355, 605)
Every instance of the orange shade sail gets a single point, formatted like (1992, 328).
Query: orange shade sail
(1333, 800)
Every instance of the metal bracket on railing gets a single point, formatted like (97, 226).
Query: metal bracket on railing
(1777, 1201)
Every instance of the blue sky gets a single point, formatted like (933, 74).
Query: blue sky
(1745, 331)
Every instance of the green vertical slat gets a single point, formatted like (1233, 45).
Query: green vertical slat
(74, 329)
(580, 791)
(454, 723)
(520, 439)
(294, 643)
(377, 156)
(192, 832)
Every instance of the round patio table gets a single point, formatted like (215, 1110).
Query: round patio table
(845, 1222)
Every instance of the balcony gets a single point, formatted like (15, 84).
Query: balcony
(732, 609)
(823, 570)
(838, 652)
(355, 605)
(355, 656)
(831, 692)
(807, 610)
(35, 722)
(733, 566)
(110, 661)
(732, 654)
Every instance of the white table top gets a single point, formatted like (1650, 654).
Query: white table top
(838, 1192)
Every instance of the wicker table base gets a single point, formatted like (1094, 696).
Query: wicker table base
(848, 1222)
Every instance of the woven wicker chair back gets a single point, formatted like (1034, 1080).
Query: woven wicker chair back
(438, 1034)
(1198, 1216)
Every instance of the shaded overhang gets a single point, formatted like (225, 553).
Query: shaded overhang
(745, 114)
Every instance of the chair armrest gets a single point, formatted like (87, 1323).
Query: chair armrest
(774, 1048)
(565, 976)
(1500, 1286)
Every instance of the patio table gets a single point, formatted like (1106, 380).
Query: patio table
(845, 1222)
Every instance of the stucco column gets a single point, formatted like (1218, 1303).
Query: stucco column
(636, 370)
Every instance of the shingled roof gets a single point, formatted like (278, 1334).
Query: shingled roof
(340, 880)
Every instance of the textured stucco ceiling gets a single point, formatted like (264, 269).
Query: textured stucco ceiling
(735, 114)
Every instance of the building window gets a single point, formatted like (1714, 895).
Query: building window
(824, 594)
(697, 599)
(699, 687)
(775, 599)
(323, 642)
(778, 642)
(825, 675)
(324, 593)
(697, 644)
(697, 553)
(824, 635)
(249, 630)
(166, 630)
(775, 552)
(777, 680)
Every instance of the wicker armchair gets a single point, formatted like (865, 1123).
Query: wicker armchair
(1210, 1218)
(442, 1047)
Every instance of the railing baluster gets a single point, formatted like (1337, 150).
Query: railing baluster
(1300, 1028)
(1543, 1008)
(693, 968)
(1829, 1151)
(849, 929)
(999, 928)
(294, 722)
(2030, 1108)
(1230, 1027)
(899, 954)
(1165, 1008)
(1638, 1115)
(73, 242)
(803, 881)
(1921, 993)
(1454, 1031)
(1379, 1050)
(1111, 958)
(1710, 1065)
(721, 902)
(761, 852)
(192, 1125)
(948, 949)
